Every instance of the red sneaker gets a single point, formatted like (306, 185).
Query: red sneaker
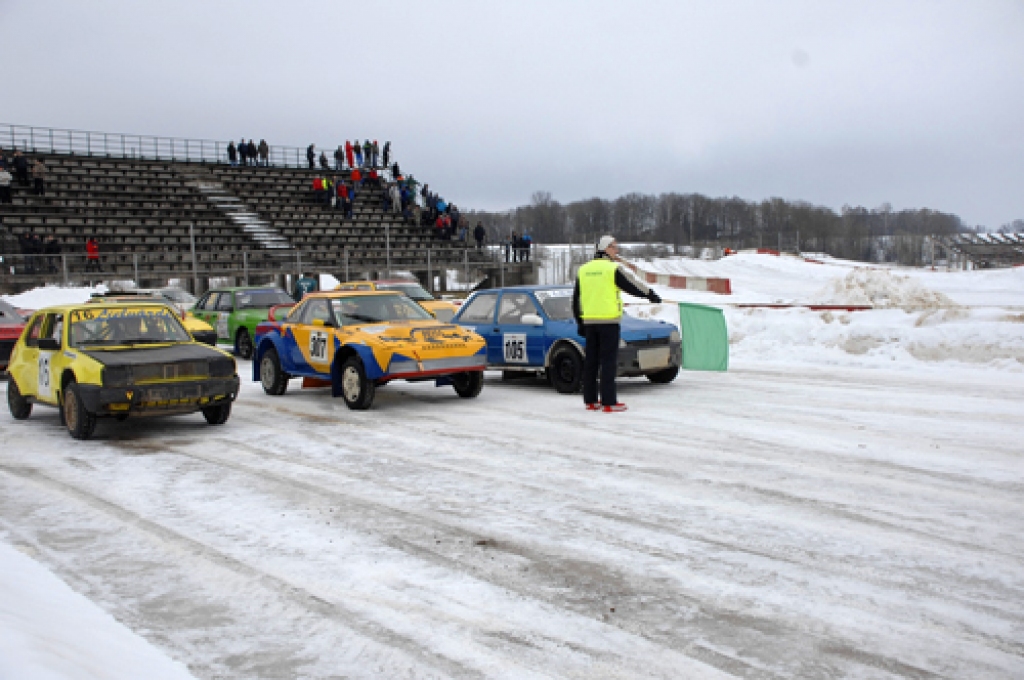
(615, 408)
(594, 407)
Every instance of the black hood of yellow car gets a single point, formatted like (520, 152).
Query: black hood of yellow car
(136, 356)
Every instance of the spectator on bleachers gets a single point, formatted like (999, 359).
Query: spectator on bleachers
(5, 185)
(357, 179)
(39, 177)
(387, 157)
(51, 247)
(264, 151)
(514, 238)
(252, 153)
(396, 198)
(359, 154)
(367, 152)
(417, 214)
(3, 161)
(232, 154)
(243, 152)
(92, 255)
(340, 193)
(375, 150)
(526, 243)
(20, 168)
(311, 156)
(324, 165)
(395, 171)
(339, 158)
(348, 154)
(318, 189)
(28, 250)
(479, 233)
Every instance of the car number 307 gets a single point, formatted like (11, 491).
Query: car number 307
(318, 346)
(515, 348)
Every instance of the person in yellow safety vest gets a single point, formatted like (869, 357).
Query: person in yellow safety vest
(597, 307)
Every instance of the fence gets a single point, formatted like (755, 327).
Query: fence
(118, 145)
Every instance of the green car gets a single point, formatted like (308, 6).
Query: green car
(234, 313)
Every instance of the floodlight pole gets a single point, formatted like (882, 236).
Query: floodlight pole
(195, 272)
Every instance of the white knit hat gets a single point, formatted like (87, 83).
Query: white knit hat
(605, 242)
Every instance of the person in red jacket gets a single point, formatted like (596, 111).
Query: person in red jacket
(348, 154)
(92, 255)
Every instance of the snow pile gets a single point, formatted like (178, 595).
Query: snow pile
(48, 631)
(882, 289)
(47, 296)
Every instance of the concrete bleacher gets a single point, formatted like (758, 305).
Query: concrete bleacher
(142, 212)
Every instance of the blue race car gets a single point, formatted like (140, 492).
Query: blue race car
(530, 329)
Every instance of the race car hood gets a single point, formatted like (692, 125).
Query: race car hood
(418, 331)
(154, 355)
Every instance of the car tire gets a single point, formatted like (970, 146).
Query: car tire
(217, 415)
(356, 389)
(243, 343)
(468, 385)
(80, 423)
(273, 379)
(664, 376)
(566, 370)
(21, 408)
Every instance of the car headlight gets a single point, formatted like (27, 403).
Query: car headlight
(117, 376)
(222, 368)
(675, 337)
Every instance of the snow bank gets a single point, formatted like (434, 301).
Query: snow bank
(37, 298)
(50, 632)
(882, 290)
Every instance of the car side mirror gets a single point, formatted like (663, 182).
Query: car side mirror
(531, 320)
(49, 343)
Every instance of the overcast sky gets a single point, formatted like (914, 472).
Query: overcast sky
(916, 103)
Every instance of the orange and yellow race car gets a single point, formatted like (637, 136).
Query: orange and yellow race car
(356, 341)
(442, 310)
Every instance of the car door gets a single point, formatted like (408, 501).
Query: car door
(26, 370)
(205, 308)
(48, 348)
(222, 317)
(522, 344)
(313, 349)
(478, 315)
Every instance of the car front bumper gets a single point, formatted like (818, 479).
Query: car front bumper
(156, 399)
(636, 360)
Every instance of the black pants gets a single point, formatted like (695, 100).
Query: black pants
(40, 187)
(602, 351)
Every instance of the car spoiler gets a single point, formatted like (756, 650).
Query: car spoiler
(272, 314)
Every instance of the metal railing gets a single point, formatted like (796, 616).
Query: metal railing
(31, 139)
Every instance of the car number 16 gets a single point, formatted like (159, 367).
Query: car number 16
(515, 348)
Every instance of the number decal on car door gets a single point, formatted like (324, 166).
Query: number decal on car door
(318, 346)
(514, 345)
(222, 325)
(43, 389)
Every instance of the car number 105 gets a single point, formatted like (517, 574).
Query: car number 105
(514, 345)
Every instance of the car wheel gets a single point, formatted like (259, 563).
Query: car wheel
(20, 407)
(356, 390)
(243, 343)
(566, 370)
(468, 385)
(664, 376)
(80, 423)
(217, 415)
(273, 379)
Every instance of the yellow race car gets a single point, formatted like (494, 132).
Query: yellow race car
(115, 359)
(441, 309)
(356, 341)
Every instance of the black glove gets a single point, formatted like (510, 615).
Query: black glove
(581, 330)
(653, 297)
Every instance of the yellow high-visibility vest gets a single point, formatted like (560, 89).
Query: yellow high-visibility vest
(600, 299)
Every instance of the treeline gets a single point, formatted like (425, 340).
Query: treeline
(879, 234)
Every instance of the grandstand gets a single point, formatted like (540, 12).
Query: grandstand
(164, 208)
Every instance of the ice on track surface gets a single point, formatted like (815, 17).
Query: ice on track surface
(50, 632)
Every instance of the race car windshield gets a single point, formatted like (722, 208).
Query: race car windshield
(557, 303)
(180, 296)
(413, 290)
(262, 299)
(126, 326)
(353, 311)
